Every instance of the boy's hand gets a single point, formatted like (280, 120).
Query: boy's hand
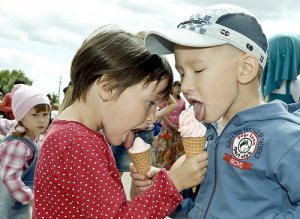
(186, 173)
(140, 181)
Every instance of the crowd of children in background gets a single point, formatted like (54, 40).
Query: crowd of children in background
(85, 149)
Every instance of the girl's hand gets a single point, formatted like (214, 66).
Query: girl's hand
(175, 128)
(30, 203)
(186, 173)
(142, 182)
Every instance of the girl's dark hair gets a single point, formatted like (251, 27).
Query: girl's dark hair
(122, 57)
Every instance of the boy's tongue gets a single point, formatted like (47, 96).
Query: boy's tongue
(199, 110)
(129, 140)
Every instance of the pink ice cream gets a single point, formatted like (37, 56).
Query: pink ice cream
(139, 146)
(189, 126)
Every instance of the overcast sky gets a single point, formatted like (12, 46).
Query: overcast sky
(40, 37)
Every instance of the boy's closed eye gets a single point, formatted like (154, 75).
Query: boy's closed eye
(199, 71)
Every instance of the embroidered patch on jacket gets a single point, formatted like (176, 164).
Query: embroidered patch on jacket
(244, 145)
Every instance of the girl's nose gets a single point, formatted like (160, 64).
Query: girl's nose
(151, 116)
(43, 118)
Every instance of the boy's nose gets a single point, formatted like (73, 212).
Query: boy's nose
(186, 86)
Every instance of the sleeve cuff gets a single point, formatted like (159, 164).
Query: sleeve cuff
(169, 186)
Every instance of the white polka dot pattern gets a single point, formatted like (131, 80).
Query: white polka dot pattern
(76, 177)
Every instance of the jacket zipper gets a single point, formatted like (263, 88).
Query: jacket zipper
(216, 147)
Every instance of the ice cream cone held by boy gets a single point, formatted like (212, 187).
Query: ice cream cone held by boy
(192, 131)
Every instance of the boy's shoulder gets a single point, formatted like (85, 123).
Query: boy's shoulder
(275, 120)
(275, 110)
(294, 108)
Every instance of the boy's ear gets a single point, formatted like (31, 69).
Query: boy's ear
(105, 90)
(249, 70)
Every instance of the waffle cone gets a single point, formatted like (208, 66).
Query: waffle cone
(193, 146)
(141, 161)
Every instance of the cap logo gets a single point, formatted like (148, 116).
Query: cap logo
(41, 98)
(195, 22)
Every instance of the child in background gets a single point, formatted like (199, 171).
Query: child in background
(168, 146)
(279, 79)
(117, 85)
(19, 150)
(253, 147)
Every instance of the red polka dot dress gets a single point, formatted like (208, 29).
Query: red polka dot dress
(76, 177)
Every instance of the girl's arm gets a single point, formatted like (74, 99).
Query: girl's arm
(182, 107)
(181, 173)
(170, 107)
(6, 125)
(16, 156)
(99, 187)
(170, 124)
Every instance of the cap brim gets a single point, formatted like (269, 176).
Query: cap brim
(162, 42)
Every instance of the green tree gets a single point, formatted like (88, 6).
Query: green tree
(7, 79)
(53, 98)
